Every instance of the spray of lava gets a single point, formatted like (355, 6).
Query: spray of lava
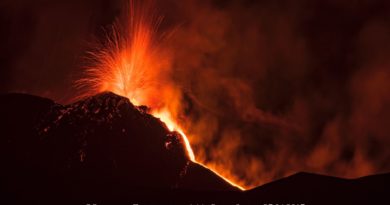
(134, 62)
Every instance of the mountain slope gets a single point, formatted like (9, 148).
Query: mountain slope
(103, 149)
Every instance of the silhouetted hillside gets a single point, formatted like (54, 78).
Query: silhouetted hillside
(103, 149)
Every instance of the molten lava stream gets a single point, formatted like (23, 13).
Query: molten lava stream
(166, 118)
(135, 63)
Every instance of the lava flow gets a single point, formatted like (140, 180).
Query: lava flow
(134, 63)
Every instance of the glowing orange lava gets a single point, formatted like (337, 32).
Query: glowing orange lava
(172, 126)
(134, 63)
(165, 116)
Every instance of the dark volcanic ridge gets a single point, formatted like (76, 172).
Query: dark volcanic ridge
(103, 148)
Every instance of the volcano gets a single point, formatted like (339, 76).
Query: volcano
(103, 149)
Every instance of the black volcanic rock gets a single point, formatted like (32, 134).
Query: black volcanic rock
(105, 150)
(100, 146)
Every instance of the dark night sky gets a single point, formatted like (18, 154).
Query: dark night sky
(43, 41)
(303, 84)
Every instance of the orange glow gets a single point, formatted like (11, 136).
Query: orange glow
(134, 63)
(172, 126)
(165, 116)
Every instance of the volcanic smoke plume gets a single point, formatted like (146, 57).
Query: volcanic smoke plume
(260, 89)
(199, 70)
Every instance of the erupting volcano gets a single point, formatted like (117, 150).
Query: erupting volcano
(134, 63)
(195, 102)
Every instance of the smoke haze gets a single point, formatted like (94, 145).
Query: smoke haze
(268, 88)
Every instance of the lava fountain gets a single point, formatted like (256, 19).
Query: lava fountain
(133, 62)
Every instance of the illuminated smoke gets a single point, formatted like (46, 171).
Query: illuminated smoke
(133, 63)
(255, 98)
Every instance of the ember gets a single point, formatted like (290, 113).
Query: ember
(135, 64)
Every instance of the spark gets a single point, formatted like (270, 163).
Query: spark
(134, 63)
